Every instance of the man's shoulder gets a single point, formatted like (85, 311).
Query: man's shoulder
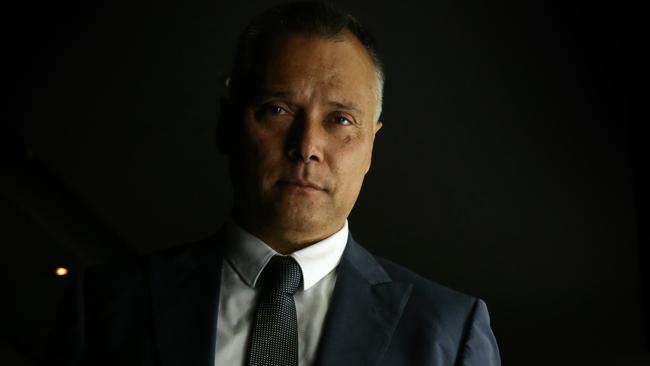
(425, 289)
(132, 270)
(430, 301)
(456, 323)
(190, 252)
(428, 304)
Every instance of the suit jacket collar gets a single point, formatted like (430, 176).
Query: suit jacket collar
(365, 307)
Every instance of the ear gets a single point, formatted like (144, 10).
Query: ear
(225, 128)
(377, 128)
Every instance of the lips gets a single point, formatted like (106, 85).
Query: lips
(301, 183)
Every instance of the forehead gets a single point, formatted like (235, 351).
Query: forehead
(312, 64)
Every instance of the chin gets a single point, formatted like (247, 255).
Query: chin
(299, 221)
(301, 218)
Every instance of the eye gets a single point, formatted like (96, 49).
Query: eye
(271, 112)
(275, 110)
(342, 120)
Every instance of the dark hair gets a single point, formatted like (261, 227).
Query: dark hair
(311, 18)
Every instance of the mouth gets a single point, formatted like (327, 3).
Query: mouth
(302, 185)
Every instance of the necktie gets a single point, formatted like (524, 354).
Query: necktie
(274, 340)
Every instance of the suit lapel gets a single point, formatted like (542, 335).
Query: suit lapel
(185, 299)
(365, 308)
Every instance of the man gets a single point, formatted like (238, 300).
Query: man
(283, 283)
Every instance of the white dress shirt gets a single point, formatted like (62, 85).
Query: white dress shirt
(246, 256)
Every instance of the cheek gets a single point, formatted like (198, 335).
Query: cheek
(258, 141)
(352, 161)
(263, 150)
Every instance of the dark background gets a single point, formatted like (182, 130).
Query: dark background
(510, 166)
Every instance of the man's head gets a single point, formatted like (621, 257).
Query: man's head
(309, 18)
(300, 122)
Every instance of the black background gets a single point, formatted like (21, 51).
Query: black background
(511, 163)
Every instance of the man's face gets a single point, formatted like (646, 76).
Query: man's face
(307, 138)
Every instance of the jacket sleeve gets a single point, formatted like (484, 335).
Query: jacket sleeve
(479, 347)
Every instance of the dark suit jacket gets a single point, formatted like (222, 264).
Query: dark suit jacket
(162, 310)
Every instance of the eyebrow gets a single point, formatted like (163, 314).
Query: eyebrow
(344, 104)
(264, 94)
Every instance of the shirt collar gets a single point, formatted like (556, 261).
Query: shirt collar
(249, 255)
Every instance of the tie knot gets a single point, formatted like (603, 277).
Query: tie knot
(283, 274)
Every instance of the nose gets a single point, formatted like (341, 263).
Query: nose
(307, 140)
